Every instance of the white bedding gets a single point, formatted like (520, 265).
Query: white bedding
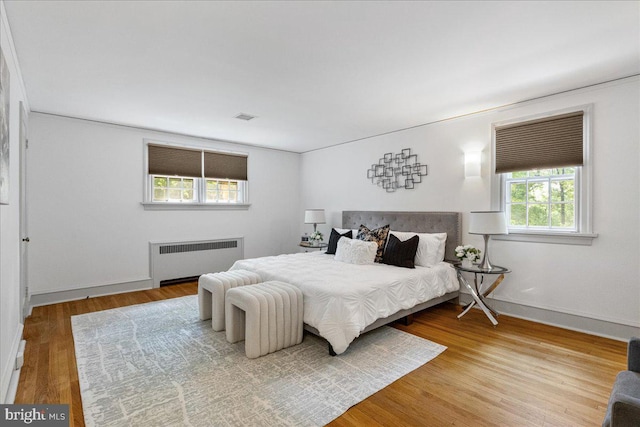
(341, 299)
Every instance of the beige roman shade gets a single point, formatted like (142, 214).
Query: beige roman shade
(174, 161)
(225, 166)
(540, 144)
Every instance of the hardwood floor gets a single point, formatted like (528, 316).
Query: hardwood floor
(519, 373)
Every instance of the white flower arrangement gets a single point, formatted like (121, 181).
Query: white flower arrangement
(316, 236)
(468, 252)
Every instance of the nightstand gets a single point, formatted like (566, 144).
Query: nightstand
(476, 290)
(319, 246)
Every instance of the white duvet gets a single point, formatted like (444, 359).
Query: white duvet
(341, 299)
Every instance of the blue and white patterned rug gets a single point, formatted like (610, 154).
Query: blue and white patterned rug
(158, 364)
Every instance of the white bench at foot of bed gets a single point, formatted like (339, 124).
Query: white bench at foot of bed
(212, 288)
(268, 316)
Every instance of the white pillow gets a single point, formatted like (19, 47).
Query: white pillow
(354, 233)
(356, 251)
(430, 247)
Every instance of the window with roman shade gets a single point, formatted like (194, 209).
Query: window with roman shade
(545, 185)
(193, 176)
(174, 161)
(540, 144)
(221, 165)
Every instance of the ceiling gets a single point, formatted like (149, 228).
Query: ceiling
(315, 74)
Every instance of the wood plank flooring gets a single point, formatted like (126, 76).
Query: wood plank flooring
(519, 373)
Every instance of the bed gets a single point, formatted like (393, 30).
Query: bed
(342, 300)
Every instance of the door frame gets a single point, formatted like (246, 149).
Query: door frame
(25, 308)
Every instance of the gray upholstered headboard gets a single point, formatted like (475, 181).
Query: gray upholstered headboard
(420, 222)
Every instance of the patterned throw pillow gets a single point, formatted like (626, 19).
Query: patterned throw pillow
(379, 235)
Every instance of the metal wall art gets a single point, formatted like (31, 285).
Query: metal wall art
(395, 171)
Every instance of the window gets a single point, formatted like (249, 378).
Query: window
(194, 178)
(173, 189)
(541, 199)
(224, 191)
(543, 175)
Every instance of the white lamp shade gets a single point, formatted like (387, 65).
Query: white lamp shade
(493, 222)
(314, 216)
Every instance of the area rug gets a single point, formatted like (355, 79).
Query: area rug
(158, 364)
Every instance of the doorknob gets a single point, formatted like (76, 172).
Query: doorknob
(26, 239)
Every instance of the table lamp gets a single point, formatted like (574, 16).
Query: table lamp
(315, 217)
(487, 223)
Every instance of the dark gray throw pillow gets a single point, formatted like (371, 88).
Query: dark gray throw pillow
(333, 240)
(401, 253)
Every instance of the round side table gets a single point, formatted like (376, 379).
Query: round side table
(476, 290)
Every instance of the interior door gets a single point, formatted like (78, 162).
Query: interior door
(24, 230)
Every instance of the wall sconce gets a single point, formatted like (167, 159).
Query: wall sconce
(472, 164)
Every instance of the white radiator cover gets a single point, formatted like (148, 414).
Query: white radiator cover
(177, 259)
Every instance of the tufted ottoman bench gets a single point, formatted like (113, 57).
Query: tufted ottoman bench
(268, 316)
(211, 290)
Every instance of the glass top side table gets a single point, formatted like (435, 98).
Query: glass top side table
(476, 290)
(319, 246)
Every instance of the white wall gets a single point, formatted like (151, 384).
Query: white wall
(600, 282)
(87, 224)
(10, 318)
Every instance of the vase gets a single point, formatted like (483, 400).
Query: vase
(467, 263)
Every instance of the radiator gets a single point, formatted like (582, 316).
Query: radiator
(177, 260)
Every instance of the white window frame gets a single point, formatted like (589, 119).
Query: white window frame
(199, 184)
(196, 185)
(242, 185)
(547, 179)
(583, 233)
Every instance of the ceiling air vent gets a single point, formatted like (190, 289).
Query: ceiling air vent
(246, 117)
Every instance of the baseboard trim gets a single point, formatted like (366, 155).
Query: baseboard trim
(9, 377)
(15, 375)
(572, 322)
(54, 297)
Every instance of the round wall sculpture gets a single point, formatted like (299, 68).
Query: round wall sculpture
(394, 171)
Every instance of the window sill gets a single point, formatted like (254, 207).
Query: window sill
(148, 206)
(582, 239)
